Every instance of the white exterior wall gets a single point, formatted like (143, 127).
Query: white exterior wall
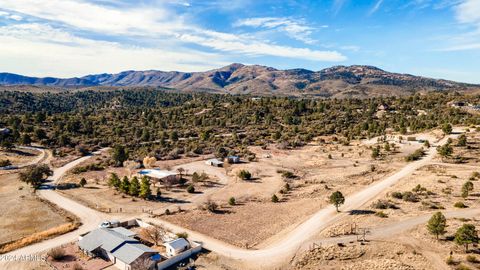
(180, 257)
(121, 265)
(111, 257)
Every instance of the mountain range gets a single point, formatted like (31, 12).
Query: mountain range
(337, 81)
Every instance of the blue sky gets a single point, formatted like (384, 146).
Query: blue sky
(435, 38)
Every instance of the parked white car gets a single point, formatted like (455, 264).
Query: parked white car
(109, 224)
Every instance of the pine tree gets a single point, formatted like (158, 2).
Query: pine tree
(145, 191)
(119, 155)
(466, 188)
(114, 181)
(125, 186)
(134, 189)
(437, 224)
(467, 234)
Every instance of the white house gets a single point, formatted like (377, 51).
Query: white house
(161, 175)
(214, 162)
(176, 246)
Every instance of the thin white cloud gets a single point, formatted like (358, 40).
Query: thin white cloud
(467, 12)
(375, 8)
(89, 16)
(338, 5)
(352, 48)
(296, 29)
(236, 45)
(462, 47)
(446, 4)
(66, 55)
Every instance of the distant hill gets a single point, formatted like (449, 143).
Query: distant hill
(338, 81)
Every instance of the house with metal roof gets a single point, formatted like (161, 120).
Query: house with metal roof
(123, 231)
(119, 246)
(160, 175)
(214, 162)
(176, 246)
(233, 159)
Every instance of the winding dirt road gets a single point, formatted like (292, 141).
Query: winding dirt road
(276, 252)
(324, 218)
(90, 218)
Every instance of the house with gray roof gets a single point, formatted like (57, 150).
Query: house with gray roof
(119, 246)
(176, 246)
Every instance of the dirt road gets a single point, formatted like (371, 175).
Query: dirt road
(90, 218)
(270, 256)
(287, 246)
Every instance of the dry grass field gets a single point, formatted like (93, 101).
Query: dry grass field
(319, 170)
(26, 213)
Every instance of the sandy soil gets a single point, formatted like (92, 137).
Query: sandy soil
(441, 182)
(319, 170)
(248, 224)
(19, 156)
(372, 255)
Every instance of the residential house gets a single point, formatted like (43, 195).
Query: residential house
(118, 246)
(160, 175)
(214, 162)
(233, 159)
(176, 246)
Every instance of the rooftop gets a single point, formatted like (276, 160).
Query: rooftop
(215, 161)
(155, 173)
(116, 241)
(123, 231)
(178, 243)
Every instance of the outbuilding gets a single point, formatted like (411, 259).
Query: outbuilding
(176, 246)
(214, 162)
(233, 159)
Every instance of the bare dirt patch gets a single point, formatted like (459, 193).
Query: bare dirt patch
(74, 257)
(248, 224)
(19, 156)
(440, 188)
(372, 255)
(317, 170)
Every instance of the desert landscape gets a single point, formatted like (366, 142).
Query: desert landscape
(239, 135)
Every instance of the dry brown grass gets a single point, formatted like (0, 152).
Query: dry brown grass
(38, 237)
